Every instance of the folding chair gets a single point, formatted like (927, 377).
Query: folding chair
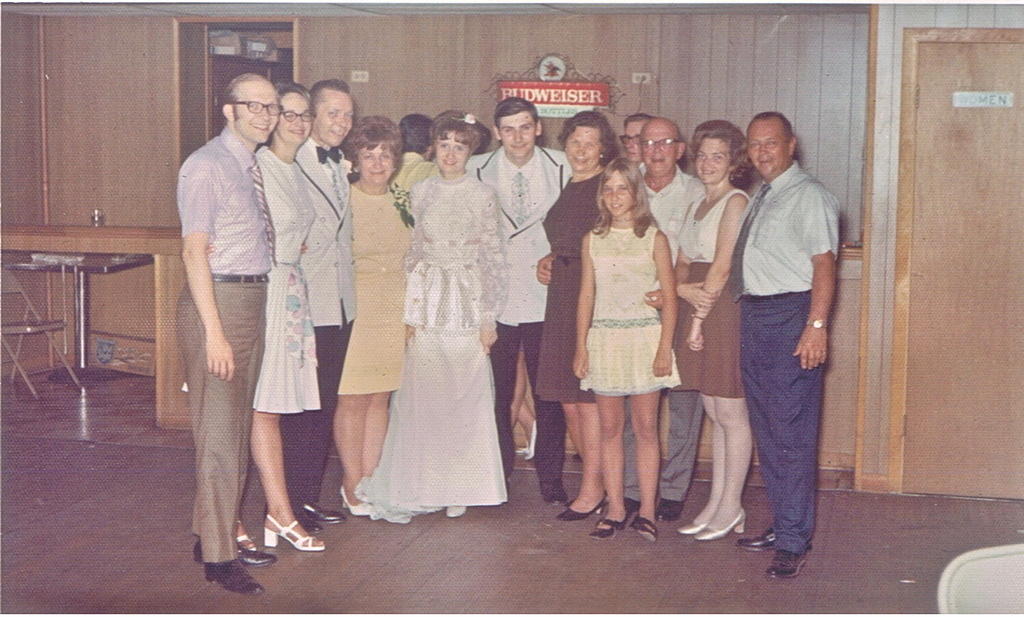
(30, 323)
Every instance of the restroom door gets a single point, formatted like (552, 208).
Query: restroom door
(959, 327)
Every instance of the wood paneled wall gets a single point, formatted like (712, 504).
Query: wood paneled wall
(110, 119)
(21, 182)
(877, 435)
(813, 68)
(119, 150)
(731, 66)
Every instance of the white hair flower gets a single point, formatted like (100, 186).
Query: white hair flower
(469, 119)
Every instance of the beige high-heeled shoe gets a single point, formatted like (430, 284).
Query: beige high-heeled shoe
(360, 509)
(714, 534)
(692, 529)
(299, 541)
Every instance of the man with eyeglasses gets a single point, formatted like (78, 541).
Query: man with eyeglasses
(630, 138)
(670, 192)
(528, 180)
(330, 276)
(220, 318)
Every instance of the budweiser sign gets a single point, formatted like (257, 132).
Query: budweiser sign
(557, 99)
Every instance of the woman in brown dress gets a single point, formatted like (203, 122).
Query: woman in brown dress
(709, 357)
(589, 143)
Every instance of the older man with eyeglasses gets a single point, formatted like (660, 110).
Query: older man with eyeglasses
(630, 138)
(670, 192)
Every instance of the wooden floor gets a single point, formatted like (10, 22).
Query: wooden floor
(96, 507)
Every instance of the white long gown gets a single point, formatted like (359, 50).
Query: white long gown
(287, 382)
(442, 447)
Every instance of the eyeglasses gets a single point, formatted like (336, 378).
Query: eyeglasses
(290, 116)
(629, 139)
(256, 107)
(659, 143)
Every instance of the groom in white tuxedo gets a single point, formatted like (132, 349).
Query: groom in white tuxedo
(330, 275)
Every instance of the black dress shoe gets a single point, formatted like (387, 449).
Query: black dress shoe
(248, 556)
(786, 564)
(569, 514)
(232, 576)
(763, 542)
(255, 558)
(668, 510)
(310, 525)
(553, 494)
(322, 515)
(632, 505)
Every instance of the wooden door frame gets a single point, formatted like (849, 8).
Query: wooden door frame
(294, 21)
(906, 198)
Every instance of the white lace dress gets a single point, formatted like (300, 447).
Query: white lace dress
(287, 382)
(441, 447)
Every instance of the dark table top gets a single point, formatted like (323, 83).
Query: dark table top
(99, 263)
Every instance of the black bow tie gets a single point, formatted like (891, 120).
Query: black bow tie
(322, 154)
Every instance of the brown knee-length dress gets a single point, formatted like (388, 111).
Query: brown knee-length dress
(570, 218)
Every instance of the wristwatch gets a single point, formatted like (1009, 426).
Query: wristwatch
(817, 324)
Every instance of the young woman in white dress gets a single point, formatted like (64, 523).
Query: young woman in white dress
(441, 449)
(287, 381)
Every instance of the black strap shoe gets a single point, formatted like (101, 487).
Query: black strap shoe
(645, 528)
(322, 515)
(569, 514)
(763, 542)
(786, 564)
(232, 576)
(668, 510)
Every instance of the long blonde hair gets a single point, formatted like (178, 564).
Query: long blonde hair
(642, 218)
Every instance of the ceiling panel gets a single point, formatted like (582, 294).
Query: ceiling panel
(356, 9)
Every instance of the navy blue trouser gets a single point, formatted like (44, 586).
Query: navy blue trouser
(784, 402)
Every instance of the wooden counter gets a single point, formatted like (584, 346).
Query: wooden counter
(164, 244)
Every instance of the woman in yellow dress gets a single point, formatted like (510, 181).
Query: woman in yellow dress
(382, 225)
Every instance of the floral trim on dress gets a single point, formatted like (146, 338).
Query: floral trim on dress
(626, 323)
(403, 204)
(299, 334)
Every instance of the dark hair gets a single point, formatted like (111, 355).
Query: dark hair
(512, 106)
(594, 120)
(787, 126)
(642, 217)
(338, 85)
(485, 138)
(372, 131)
(637, 117)
(415, 133)
(736, 142)
(290, 87)
(230, 94)
(454, 121)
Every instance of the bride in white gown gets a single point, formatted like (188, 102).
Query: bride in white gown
(441, 449)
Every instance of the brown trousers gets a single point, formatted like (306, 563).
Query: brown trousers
(221, 411)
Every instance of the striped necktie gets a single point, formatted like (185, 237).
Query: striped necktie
(735, 284)
(261, 201)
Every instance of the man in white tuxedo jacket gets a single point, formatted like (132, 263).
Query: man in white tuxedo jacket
(528, 180)
(330, 275)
